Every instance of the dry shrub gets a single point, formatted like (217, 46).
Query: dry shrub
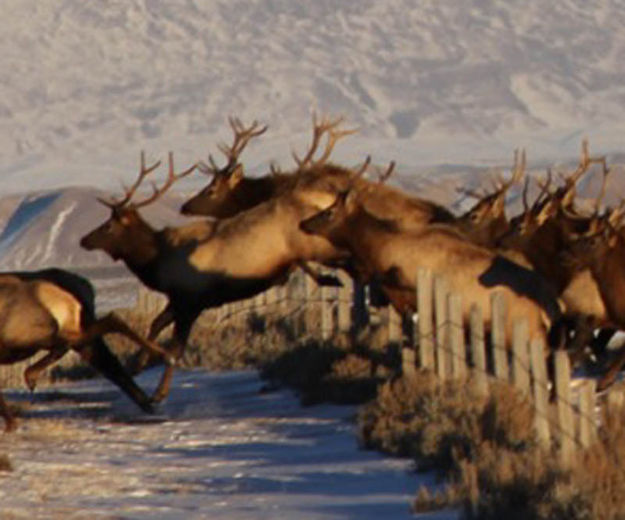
(5, 463)
(486, 448)
(422, 418)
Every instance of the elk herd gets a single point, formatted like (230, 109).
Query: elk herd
(561, 268)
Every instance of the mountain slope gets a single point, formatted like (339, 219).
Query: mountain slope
(427, 83)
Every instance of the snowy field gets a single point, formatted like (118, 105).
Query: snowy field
(220, 449)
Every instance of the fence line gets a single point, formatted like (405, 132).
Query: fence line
(441, 342)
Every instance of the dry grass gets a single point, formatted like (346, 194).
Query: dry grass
(5, 463)
(486, 449)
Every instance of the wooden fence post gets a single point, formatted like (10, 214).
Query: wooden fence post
(520, 356)
(359, 308)
(345, 297)
(393, 325)
(443, 357)
(455, 333)
(498, 335)
(425, 319)
(541, 391)
(327, 315)
(478, 351)
(566, 433)
(587, 421)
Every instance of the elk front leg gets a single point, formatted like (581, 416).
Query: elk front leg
(9, 421)
(162, 320)
(182, 329)
(32, 373)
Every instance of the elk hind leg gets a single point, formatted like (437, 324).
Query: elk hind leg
(32, 373)
(9, 421)
(181, 335)
(162, 320)
(112, 324)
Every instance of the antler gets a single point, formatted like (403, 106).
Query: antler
(325, 126)
(584, 163)
(242, 136)
(362, 169)
(129, 192)
(525, 190)
(172, 177)
(606, 172)
(383, 177)
(544, 191)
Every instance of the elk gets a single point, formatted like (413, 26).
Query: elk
(383, 251)
(230, 192)
(603, 254)
(486, 220)
(543, 233)
(232, 259)
(54, 310)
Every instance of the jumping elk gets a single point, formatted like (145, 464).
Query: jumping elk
(383, 251)
(230, 260)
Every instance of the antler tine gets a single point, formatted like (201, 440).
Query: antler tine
(525, 190)
(606, 172)
(520, 163)
(208, 169)
(362, 169)
(242, 136)
(544, 190)
(319, 129)
(383, 177)
(172, 177)
(129, 192)
(275, 169)
(584, 163)
(616, 215)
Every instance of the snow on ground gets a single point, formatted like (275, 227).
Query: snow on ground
(220, 449)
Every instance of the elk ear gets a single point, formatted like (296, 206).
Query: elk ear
(612, 239)
(499, 205)
(545, 213)
(569, 197)
(235, 177)
(351, 197)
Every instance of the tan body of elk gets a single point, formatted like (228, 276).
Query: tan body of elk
(53, 310)
(245, 255)
(382, 251)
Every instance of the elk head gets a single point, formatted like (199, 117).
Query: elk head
(486, 220)
(125, 232)
(331, 222)
(226, 192)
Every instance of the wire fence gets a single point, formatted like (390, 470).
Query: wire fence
(440, 339)
(437, 338)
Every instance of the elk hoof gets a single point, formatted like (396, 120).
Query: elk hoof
(158, 397)
(31, 381)
(10, 425)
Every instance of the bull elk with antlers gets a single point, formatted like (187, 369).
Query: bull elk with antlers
(229, 260)
(230, 192)
(383, 251)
